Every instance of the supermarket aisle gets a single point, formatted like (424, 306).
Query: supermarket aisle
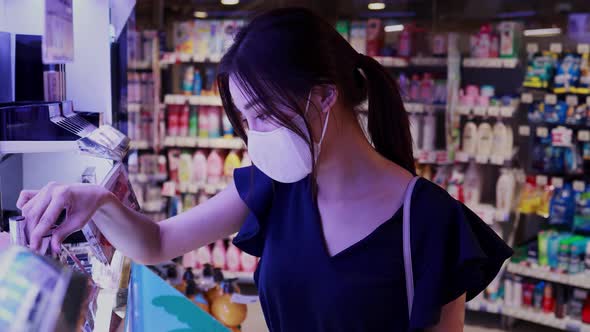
(475, 322)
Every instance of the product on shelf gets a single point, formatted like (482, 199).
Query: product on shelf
(229, 313)
(567, 73)
(199, 166)
(472, 185)
(214, 167)
(540, 70)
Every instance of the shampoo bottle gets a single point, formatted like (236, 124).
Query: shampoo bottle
(484, 140)
(429, 132)
(219, 254)
(197, 83)
(184, 171)
(233, 258)
(214, 122)
(472, 185)
(199, 168)
(232, 161)
(499, 141)
(203, 121)
(470, 138)
(214, 167)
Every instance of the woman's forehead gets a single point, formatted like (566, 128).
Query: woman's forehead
(235, 89)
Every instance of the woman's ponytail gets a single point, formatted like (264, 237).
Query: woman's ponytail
(388, 123)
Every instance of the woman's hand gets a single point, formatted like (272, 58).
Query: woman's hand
(42, 208)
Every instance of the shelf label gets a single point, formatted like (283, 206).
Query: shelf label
(542, 132)
(541, 180)
(481, 159)
(583, 48)
(584, 135)
(506, 111)
(479, 110)
(561, 136)
(526, 98)
(497, 160)
(493, 111)
(579, 185)
(244, 299)
(550, 99)
(556, 47)
(442, 157)
(532, 48)
(571, 100)
(557, 182)
(588, 100)
(169, 188)
(524, 130)
(462, 157)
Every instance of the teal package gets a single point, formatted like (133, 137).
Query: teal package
(582, 215)
(553, 250)
(577, 252)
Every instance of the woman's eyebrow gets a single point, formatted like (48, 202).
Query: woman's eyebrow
(251, 103)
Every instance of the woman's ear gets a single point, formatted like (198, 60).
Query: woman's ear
(329, 97)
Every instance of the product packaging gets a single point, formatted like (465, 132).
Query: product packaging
(567, 73)
(582, 212)
(375, 36)
(358, 36)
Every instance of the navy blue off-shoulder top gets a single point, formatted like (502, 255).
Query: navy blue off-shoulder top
(303, 288)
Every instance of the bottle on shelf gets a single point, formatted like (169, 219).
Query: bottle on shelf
(216, 290)
(188, 80)
(219, 254)
(197, 83)
(225, 310)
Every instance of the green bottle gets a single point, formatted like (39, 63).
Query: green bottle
(193, 122)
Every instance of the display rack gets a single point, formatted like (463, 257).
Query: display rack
(580, 280)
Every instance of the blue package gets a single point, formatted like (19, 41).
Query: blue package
(553, 250)
(567, 73)
(563, 206)
(536, 111)
(582, 214)
(576, 115)
(555, 113)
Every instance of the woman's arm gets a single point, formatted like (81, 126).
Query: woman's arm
(129, 231)
(452, 317)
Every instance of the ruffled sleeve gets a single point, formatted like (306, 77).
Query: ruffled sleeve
(453, 252)
(256, 190)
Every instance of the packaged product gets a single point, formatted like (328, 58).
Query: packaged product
(540, 70)
(577, 253)
(567, 73)
(582, 214)
(563, 206)
(583, 86)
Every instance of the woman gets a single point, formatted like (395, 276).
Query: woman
(322, 205)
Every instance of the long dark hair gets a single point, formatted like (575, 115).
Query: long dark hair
(280, 55)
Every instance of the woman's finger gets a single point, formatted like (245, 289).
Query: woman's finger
(60, 233)
(46, 221)
(24, 197)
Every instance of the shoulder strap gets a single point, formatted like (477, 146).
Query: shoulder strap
(407, 245)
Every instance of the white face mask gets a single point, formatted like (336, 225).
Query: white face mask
(282, 154)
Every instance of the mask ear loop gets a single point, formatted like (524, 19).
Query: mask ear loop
(325, 123)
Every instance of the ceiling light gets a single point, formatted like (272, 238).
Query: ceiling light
(542, 32)
(230, 2)
(201, 14)
(376, 6)
(394, 28)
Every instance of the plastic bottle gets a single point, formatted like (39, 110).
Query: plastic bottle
(185, 170)
(429, 132)
(214, 167)
(215, 291)
(214, 122)
(499, 140)
(415, 88)
(228, 130)
(548, 299)
(193, 121)
(219, 254)
(469, 138)
(197, 297)
(204, 257)
(233, 258)
(206, 282)
(505, 191)
(183, 120)
(538, 296)
(484, 140)
(199, 168)
(225, 310)
(248, 262)
(232, 161)
(427, 89)
(416, 130)
(197, 83)
(188, 80)
(203, 121)
(472, 185)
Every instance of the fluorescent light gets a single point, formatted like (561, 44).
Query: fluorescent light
(201, 14)
(376, 6)
(394, 28)
(230, 2)
(542, 32)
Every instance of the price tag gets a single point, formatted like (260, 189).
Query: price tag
(481, 159)
(561, 136)
(497, 160)
(557, 182)
(556, 47)
(462, 157)
(571, 100)
(431, 157)
(579, 186)
(506, 111)
(541, 180)
(524, 130)
(550, 99)
(588, 100)
(423, 156)
(584, 135)
(170, 141)
(542, 132)
(583, 48)
(493, 111)
(496, 63)
(184, 57)
(442, 157)
(532, 48)
(526, 98)
(463, 109)
(169, 188)
(479, 110)
(243, 299)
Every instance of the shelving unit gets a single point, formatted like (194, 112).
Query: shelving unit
(244, 277)
(206, 143)
(7, 147)
(509, 63)
(483, 305)
(193, 100)
(580, 280)
(139, 145)
(546, 319)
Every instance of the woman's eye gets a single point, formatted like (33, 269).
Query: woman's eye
(262, 117)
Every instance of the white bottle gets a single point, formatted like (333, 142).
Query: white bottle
(472, 185)
(248, 262)
(416, 130)
(429, 132)
(219, 254)
(233, 258)
(470, 138)
(508, 143)
(499, 141)
(505, 191)
(484, 140)
(203, 256)
(185, 165)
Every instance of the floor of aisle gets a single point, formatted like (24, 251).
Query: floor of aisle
(474, 322)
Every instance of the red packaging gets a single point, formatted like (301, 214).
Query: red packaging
(375, 37)
(548, 299)
(173, 159)
(173, 120)
(527, 294)
(586, 311)
(183, 120)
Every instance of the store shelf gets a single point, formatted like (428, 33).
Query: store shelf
(546, 319)
(483, 305)
(139, 145)
(490, 63)
(173, 58)
(133, 107)
(153, 207)
(491, 111)
(463, 157)
(210, 189)
(439, 157)
(580, 280)
(193, 100)
(139, 65)
(37, 146)
(143, 178)
(428, 61)
(424, 108)
(389, 61)
(206, 143)
(245, 277)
